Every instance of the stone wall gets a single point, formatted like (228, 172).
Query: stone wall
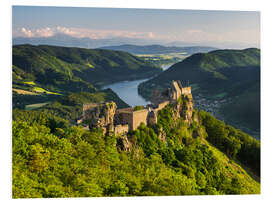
(162, 105)
(130, 117)
(139, 117)
(89, 106)
(120, 121)
(124, 117)
(176, 89)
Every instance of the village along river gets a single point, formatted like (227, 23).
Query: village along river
(128, 90)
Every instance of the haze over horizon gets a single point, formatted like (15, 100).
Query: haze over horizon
(114, 26)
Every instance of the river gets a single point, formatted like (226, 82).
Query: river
(128, 90)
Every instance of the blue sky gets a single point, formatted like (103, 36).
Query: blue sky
(193, 26)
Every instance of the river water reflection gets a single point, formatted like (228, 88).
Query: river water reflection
(128, 90)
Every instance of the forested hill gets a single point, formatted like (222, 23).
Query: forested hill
(159, 49)
(208, 157)
(213, 71)
(75, 69)
(228, 76)
(52, 157)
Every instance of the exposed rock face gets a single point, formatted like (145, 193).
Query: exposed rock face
(152, 118)
(101, 115)
(184, 108)
(188, 109)
(124, 144)
(105, 116)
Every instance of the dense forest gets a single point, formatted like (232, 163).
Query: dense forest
(51, 158)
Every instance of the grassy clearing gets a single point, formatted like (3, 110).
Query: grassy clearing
(35, 91)
(90, 65)
(35, 106)
(30, 83)
(41, 90)
(20, 91)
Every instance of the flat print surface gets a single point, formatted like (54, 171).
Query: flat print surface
(134, 102)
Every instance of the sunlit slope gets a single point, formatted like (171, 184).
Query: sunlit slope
(76, 69)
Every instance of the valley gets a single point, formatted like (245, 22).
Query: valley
(180, 138)
(134, 102)
(216, 92)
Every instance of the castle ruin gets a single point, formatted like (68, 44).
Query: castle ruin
(120, 121)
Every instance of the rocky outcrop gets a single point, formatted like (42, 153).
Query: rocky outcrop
(152, 118)
(124, 144)
(101, 115)
(105, 116)
(187, 109)
(183, 108)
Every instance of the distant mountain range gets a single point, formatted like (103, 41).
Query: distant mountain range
(135, 46)
(159, 49)
(69, 41)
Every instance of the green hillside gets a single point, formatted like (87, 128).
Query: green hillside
(211, 71)
(75, 69)
(53, 159)
(230, 78)
(245, 108)
(42, 74)
(70, 106)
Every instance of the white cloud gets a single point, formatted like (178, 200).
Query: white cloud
(81, 32)
(45, 32)
(66, 31)
(27, 33)
(191, 35)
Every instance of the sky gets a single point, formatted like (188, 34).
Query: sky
(235, 28)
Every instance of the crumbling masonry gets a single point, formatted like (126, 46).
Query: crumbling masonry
(120, 121)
